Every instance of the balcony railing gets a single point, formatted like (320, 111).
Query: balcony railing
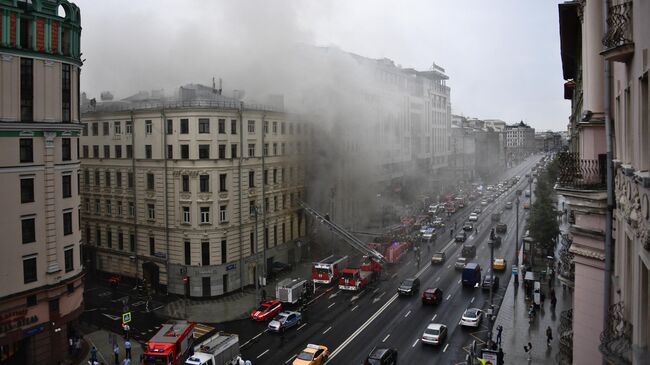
(566, 265)
(616, 339)
(578, 173)
(565, 331)
(617, 42)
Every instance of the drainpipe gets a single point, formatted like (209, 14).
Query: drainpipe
(265, 238)
(241, 209)
(610, 177)
(135, 196)
(166, 184)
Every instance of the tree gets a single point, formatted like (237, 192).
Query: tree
(543, 223)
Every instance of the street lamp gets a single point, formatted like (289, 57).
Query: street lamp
(257, 281)
(518, 193)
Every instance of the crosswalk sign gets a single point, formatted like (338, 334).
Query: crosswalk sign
(126, 317)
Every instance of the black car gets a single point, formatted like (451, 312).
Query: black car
(468, 227)
(461, 237)
(382, 356)
(502, 228)
(490, 280)
(278, 267)
(409, 286)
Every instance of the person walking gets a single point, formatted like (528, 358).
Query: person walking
(116, 353)
(126, 361)
(451, 233)
(93, 354)
(499, 330)
(127, 348)
(549, 336)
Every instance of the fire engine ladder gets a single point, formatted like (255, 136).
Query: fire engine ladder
(344, 234)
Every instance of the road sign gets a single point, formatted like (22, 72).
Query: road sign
(126, 317)
(515, 271)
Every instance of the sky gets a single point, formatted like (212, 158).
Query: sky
(502, 56)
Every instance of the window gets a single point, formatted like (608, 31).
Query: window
(119, 208)
(266, 204)
(251, 127)
(170, 151)
(117, 128)
(69, 259)
(204, 151)
(151, 210)
(85, 151)
(118, 151)
(233, 126)
(290, 128)
(275, 127)
(66, 183)
(28, 229)
(251, 207)
(205, 214)
(233, 151)
(26, 89)
(109, 237)
(222, 183)
(152, 246)
(148, 127)
(129, 151)
(266, 127)
(222, 126)
(186, 215)
(205, 253)
(188, 253)
(107, 178)
(29, 270)
(251, 150)
(282, 128)
(128, 127)
(107, 151)
(131, 209)
(132, 242)
(185, 151)
(251, 179)
(185, 126)
(27, 190)
(275, 176)
(222, 151)
(224, 252)
(275, 203)
(86, 177)
(222, 214)
(26, 150)
(118, 179)
(282, 175)
(266, 177)
(147, 151)
(283, 149)
(98, 236)
(129, 178)
(66, 150)
(150, 181)
(204, 125)
(266, 149)
(275, 149)
(170, 126)
(185, 183)
(95, 151)
(95, 129)
(284, 233)
(109, 207)
(204, 183)
(105, 128)
(266, 238)
(67, 223)
(97, 206)
(120, 240)
(252, 241)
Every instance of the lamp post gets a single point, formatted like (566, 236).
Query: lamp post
(518, 193)
(257, 281)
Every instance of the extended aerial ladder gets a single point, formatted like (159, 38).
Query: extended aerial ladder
(344, 234)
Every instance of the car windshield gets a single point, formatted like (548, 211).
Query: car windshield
(432, 331)
(279, 318)
(347, 275)
(308, 356)
(471, 313)
(461, 259)
(438, 254)
(263, 308)
(407, 282)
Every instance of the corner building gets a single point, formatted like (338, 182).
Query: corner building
(41, 295)
(197, 196)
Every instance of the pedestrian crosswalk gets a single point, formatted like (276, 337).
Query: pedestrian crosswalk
(201, 329)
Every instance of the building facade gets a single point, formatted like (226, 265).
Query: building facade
(520, 141)
(42, 292)
(197, 196)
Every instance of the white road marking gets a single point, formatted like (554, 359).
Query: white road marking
(448, 296)
(256, 336)
(355, 307)
(263, 353)
(407, 314)
(445, 349)
(334, 295)
(394, 276)
(115, 318)
(449, 266)
(472, 301)
(291, 358)
(434, 317)
(301, 326)
(331, 305)
(416, 342)
(438, 278)
(459, 280)
(327, 330)
(385, 338)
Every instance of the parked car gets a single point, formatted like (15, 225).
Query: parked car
(267, 310)
(460, 263)
(284, 320)
(312, 355)
(434, 334)
(432, 296)
(499, 264)
(508, 205)
(468, 227)
(471, 317)
(382, 356)
(438, 258)
(460, 237)
(490, 280)
(473, 217)
(409, 286)
(502, 228)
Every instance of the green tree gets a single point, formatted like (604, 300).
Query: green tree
(543, 224)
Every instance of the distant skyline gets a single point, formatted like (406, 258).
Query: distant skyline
(502, 56)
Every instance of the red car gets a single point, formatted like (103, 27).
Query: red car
(267, 310)
(432, 296)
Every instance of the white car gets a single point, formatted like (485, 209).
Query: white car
(428, 234)
(473, 217)
(483, 202)
(284, 320)
(434, 334)
(471, 318)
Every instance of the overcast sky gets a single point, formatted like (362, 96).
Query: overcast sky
(502, 56)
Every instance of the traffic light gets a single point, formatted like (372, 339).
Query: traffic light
(492, 236)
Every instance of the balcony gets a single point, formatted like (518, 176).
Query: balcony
(581, 174)
(616, 339)
(566, 265)
(617, 42)
(565, 331)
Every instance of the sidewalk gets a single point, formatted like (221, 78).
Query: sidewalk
(101, 339)
(229, 307)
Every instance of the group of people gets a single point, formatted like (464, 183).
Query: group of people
(74, 345)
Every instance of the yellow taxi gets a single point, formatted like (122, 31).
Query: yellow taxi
(499, 264)
(312, 355)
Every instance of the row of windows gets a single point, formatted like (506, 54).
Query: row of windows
(27, 89)
(108, 180)
(28, 225)
(120, 239)
(203, 127)
(27, 187)
(30, 266)
(26, 150)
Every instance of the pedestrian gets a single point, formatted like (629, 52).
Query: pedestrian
(116, 353)
(127, 348)
(499, 330)
(70, 345)
(126, 329)
(93, 354)
(549, 336)
(451, 233)
(126, 361)
(77, 346)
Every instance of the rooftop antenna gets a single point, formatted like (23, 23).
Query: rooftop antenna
(220, 84)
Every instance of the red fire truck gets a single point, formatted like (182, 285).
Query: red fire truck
(358, 278)
(328, 270)
(393, 251)
(169, 345)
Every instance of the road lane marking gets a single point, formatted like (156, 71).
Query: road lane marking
(445, 349)
(378, 298)
(263, 353)
(385, 338)
(438, 279)
(459, 281)
(434, 317)
(334, 295)
(256, 336)
(301, 326)
(327, 330)
(355, 307)
(407, 314)
(320, 295)
(416, 342)
(394, 276)
(291, 358)
(448, 296)
(449, 266)
(472, 301)
(115, 318)
(331, 305)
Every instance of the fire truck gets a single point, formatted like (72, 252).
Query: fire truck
(359, 278)
(170, 344)
(393, 251)
(328, 270)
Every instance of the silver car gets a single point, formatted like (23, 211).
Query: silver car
(434, 334)
(284, 320)
(471, 318)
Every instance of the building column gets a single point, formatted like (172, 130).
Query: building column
(592, 61)
(50, 203)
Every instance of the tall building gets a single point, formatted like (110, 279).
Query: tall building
(615, 330)
(42, 291)
(520, 141)
(198, 194)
